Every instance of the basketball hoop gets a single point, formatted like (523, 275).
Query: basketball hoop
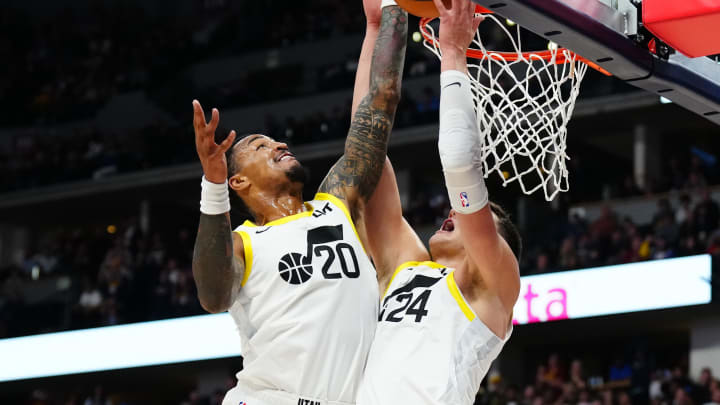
(524, 101)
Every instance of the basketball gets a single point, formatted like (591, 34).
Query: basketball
(427, 9)
(419, 8)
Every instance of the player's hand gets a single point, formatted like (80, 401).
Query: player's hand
(212, 155)
(373, 12)
(458, 24)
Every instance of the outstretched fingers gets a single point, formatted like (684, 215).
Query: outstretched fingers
(198, 115)
(212, 126)
(440, 4)
(469, 7)
(228, 142)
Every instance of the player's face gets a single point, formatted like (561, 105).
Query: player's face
(447, 241)
(265, 161)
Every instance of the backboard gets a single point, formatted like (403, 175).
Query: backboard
(606, 32)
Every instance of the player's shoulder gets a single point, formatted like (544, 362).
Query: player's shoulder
(322, 199)
(410, 271)
(417, 265)
(428, 268)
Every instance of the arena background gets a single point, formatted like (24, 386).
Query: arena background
(100, 187)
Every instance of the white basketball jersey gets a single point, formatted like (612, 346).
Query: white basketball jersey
(430, 347)
(307, 309)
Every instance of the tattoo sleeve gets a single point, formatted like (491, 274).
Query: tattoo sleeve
(358, 171)
(214, 264)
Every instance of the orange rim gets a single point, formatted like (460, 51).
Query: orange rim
(561, 57)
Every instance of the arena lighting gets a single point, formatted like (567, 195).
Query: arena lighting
(572, 294)
(614, 290)
(142, 344)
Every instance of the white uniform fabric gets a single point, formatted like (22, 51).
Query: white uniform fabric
(307, 310)
(430, 347)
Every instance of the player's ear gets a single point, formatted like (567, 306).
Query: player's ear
(239, 183)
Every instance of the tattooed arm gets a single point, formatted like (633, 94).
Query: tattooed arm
(218, 258)
(218, 262)
(355, 176)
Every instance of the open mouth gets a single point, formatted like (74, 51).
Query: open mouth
(448, 225)
(284, 156)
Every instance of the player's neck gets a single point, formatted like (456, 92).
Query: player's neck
(454, 261)
(274, 207)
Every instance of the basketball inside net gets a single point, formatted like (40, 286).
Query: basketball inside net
(420, 8)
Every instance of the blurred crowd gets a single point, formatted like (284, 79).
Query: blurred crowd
(690, 228)
(41, 157)
(38, 158)
(623, 382)
(117, 274)
(69, 62)
(561, 239)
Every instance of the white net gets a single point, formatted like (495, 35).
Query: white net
(524, 103)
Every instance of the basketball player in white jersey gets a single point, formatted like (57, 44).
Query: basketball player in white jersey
(442, 322)
(296, 279)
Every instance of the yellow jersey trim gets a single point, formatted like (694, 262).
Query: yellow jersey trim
(284, 220)
(331, 198)
(247, 247)
(455, 292)
(405, 266)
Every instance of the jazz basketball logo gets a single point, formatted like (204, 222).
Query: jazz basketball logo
(297, 268)
(464, 200)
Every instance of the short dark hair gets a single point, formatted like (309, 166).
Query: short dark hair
(234, 167)
(508, 230)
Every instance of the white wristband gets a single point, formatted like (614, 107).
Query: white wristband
(470, 198)
(214, 198)
(386, 3)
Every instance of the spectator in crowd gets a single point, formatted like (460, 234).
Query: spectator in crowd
(604, 226)
(89, 305)
(620, 372)
(684, 211)
(704, 386)
(577, 377)
(707, 213)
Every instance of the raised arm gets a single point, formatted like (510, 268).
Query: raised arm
(393, 240)
(218, 258)
(355, 176)
(491, 271)
(373, 17)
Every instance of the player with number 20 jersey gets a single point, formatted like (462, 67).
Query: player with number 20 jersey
(303, 262)
(297, 280)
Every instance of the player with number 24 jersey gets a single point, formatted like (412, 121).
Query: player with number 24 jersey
(442, 322)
